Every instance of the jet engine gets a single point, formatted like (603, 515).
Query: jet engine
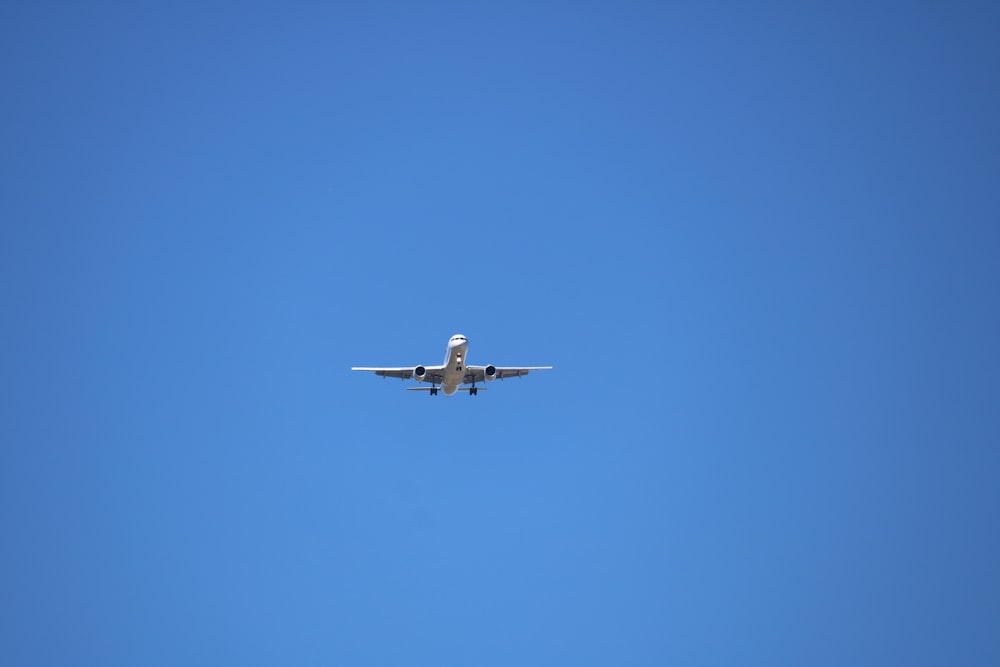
(490, 372)
(419, 373)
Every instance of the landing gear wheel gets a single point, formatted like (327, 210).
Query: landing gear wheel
(434, 391)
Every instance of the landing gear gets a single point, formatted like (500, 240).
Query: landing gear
(473, 391)
(434, 391)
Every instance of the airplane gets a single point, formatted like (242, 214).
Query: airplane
(453, 372)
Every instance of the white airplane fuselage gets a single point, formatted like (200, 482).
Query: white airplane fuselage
(454, 366)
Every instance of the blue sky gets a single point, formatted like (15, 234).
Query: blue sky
(759, 245)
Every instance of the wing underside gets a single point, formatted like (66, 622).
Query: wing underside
(478, 373)
(433, 374)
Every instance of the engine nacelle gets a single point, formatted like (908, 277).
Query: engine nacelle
(490, 372)
(419, 373)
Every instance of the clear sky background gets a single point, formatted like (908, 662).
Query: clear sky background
(759, 243)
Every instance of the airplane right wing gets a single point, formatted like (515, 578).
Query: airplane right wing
(478, 373)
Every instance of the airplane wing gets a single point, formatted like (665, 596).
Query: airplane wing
(434, 374)
(478, 373)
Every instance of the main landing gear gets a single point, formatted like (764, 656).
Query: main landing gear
(433, 391)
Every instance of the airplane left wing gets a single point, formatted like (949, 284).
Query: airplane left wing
(433, 374)
(401, 373)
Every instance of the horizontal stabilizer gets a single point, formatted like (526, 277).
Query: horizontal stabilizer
(439, 388)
